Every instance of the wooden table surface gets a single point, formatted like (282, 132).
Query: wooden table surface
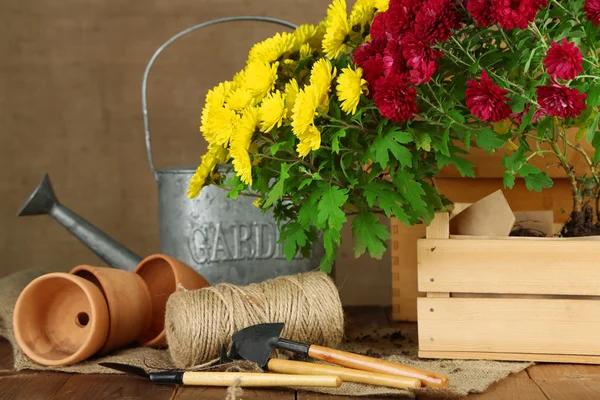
(540, 382)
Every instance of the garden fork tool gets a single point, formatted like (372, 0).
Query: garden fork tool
(255, 343)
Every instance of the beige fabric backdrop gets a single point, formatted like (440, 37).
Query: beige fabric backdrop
(70, 74)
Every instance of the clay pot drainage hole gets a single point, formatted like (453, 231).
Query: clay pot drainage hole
(82, 319)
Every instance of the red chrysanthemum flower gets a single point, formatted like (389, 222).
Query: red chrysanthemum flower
(400, 17)
(394, 99)
(373, 69)
(421, 57)
(561, 101)
(379, 28)
(511, 14)
(422, 75)
(436, 19)
(592, 11)
(518, 117)
(563, 61)
(393, 62)
(480, 11)
(368, 50)
(486, 100)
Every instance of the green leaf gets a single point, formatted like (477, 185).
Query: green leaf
(488, 140)
(275, 148)
(335, 140)
(391, 142)
(527, 169)
(593, 95)
(590, 133)
(464, 166)
(410, 190)
(389, 201)
(308, 210)
(331, 242)
(277, 191)
(305, 183)
(294, 237)
(423, 141)
(543, 126)
(527, 120)
(329, 208)
(528, 63)
(456, 116)
(369, 235)
(509, 180)
(537, 182)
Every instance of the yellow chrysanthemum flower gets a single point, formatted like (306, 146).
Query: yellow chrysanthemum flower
(362, 13)
(214, 100)
(207, 164)
(239, 99)
(305, 50)
(305, 109)
(241, 142)
(316, 41)
(303, 34)
(260, 78)
(337, 29)
(309, 140)
(382, 5)
(291, 91)
(223, 125)
(271, 112)
(349, 88)
(271, 49)
(238, 79)
(320, 77)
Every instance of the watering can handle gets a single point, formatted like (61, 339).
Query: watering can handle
(171, 40)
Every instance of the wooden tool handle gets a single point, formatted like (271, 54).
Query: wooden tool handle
(357, 361)
(258, 379)
(347, 374)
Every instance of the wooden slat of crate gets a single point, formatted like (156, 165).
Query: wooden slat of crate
(531, 326)
(543, 266)
(549, 358)
(404, 240)
(404, 270)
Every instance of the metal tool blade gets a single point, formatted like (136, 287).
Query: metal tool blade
(128, 369)
(255, 343)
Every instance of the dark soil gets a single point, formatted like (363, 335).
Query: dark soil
(581, 223)
(520, 231)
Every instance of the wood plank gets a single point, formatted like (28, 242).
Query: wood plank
(567, 382)
(439, 228)
(6, 355)
(472, 355)
(545, 266)
(509, 325)
(107, 387)
(319, 396)
(31, 385)
(404, 269)
(206, 393)
(519, 197)
(515, 387)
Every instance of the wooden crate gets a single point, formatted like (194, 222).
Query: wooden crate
(404, 239)
(534, 299)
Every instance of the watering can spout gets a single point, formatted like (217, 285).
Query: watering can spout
(43, 201)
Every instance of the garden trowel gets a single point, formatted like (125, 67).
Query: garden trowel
(255, 343)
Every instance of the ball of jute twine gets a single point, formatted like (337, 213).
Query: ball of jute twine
(198, 322)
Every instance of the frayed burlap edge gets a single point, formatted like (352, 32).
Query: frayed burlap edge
(466, 376)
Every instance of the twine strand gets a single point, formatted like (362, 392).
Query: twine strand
(198, 322)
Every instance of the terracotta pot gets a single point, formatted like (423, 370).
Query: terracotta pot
(128, 299)
(60, 319)
(165, 275)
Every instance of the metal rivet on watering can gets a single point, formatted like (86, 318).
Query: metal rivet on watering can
(43, 201)
(225, 240)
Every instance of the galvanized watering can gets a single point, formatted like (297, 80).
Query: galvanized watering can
(225, 240)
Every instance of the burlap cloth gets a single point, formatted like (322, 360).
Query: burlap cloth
(466, 376)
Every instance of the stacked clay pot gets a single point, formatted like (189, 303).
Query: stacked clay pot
(64, 318)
